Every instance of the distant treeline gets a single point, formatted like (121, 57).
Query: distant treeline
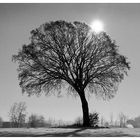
(18, 118)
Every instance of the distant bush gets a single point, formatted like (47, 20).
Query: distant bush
(94, 119)
(51, 122)
(135, 122)
(36, 121)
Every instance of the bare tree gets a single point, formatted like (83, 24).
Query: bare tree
(71, 53)
(116, 123)
(111, 119)
(102, 121)
(78, 121)
(122, 120)
(17, 114)
(51, 122)
(107, 124)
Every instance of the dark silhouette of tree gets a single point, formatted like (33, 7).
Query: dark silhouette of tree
(71, 53)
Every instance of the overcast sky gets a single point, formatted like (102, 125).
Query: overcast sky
(122, 23)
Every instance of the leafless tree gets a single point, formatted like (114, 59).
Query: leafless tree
(106, 124)
(116, 123)
(102, 121)
(111, 119)
(51, 122)
(78, 121)
(63, 53)
(122, 119)
(17, 114)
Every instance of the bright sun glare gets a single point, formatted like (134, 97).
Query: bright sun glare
(97, 26)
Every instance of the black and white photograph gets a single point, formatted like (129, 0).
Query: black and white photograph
(69, 69)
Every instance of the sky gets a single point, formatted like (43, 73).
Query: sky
(121, 22)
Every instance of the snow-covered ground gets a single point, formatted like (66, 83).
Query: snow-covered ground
(69, 132)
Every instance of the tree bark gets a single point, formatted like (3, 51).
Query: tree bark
(85, 109)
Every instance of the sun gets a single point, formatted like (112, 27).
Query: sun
(97, 26)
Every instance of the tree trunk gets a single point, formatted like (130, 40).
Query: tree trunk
(84, 109)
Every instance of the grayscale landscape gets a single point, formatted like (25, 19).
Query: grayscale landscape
(69, 70)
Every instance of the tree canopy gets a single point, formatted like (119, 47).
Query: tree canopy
(62, 52)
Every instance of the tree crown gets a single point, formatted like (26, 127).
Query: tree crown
(63, 52)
